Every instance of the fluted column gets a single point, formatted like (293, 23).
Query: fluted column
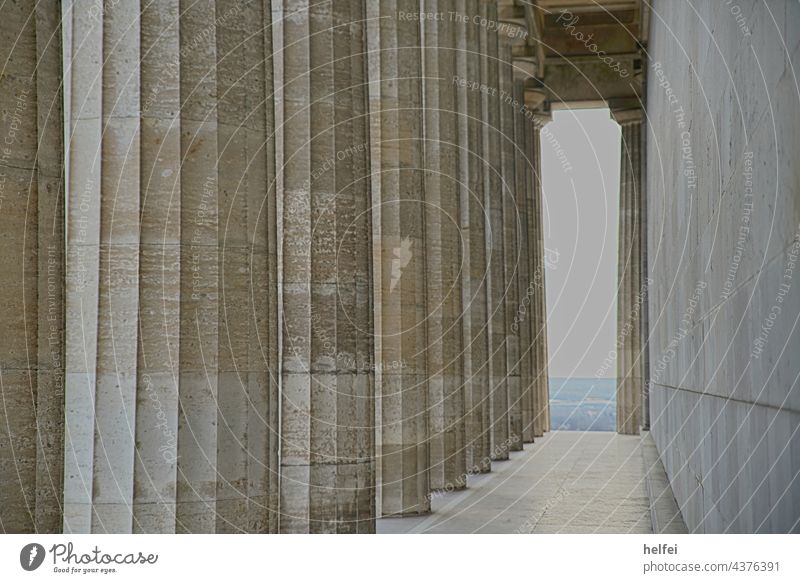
(443, 250)
(523, 319)
(493, 203)
(396, 88)
(508, 112)
(327, 480)
(473, 218)
(171, 270)
(247, 441)
(539, 320)
(31, 269)
(630, 299)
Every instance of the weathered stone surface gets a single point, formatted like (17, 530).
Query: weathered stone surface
(327, 400)
(473, 228)
(495, 237)
(723, 215)
(396, 74)
(171, 350)
(443, 241)
(632, 290)
(31, 269)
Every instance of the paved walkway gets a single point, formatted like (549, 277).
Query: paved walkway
(566, 482)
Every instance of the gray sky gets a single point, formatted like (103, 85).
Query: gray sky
(580, 206)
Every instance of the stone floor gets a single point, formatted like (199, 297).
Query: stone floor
(566, 482)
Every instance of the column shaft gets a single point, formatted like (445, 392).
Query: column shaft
(541, 396)
(511, 257)
(405, 458)
(31, 269)
(493, 202)
(473, 220)
(171, 301)
(327, 449)
(524, 316)
(631, 299)
(443, 250)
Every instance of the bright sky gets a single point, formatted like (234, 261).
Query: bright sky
(580, 207)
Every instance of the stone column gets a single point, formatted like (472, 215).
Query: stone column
(539, 320)
(31, 269)
(473, 218)
(493, 203)
(511, 258)
(247, 442)
(630, 302)
(524, 316)
(443, 250)
(396, 77)
(171, 270)
(327, 449)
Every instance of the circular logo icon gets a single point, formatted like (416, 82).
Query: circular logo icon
(31, 556)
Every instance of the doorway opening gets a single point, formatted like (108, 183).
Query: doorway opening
(580, 162)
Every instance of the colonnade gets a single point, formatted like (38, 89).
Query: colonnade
(632, 403)
(297, 280)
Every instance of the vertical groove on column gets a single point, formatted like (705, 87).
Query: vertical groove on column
(50, 257)
(442, 247)
(405, 479)
(362, 421)
(644, 273)
(114, 278)
(32, 270)
(246, 381)
(327, 449)
(171, 243)
(355, 478)
(634, 133)
(267, 476)
(493, 193)
(510, 218)
(159, 272)
(473, 213)
(83, 240)
(200, 272)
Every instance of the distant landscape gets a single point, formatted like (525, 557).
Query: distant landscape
(583, 404)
